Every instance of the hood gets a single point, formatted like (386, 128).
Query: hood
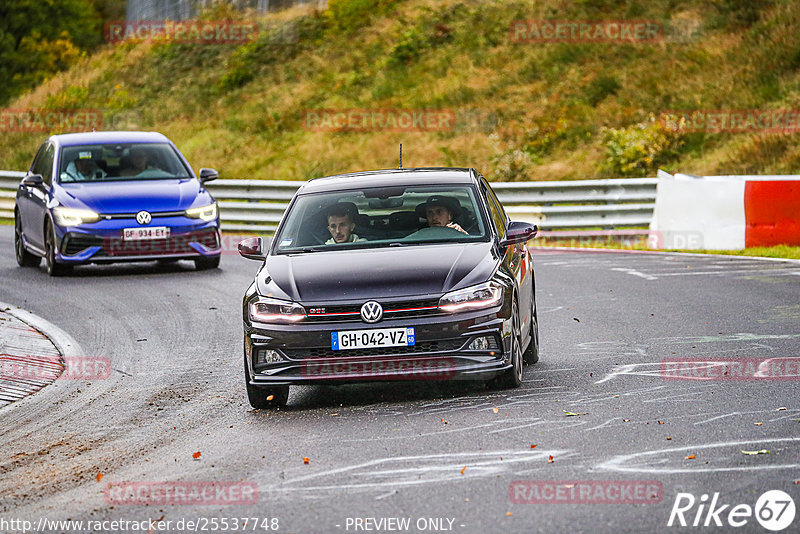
(127, 196)
(359, 274)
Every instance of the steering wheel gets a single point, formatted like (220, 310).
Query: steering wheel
(433, 232)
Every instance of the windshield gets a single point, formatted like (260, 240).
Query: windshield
(120, 161)
(381, 217)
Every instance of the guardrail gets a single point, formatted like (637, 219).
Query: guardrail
(9, 181)
(258, 205)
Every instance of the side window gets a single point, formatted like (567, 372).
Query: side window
(47, 164)
(495, 209)
(36, 167)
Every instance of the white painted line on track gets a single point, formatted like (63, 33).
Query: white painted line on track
(617, 463)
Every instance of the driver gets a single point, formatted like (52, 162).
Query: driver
(341, 225)
(84, 167)
(440, 210)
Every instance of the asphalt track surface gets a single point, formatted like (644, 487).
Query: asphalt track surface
(414, 450)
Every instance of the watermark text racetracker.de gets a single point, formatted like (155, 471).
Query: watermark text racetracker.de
(586, 492)
(181, 493)
(369, 120)
(780, 368)
(586, 31)
(186, 31)
(400, 369)
(45, 368)
(148, 525)
(50, 120)
(731, 120)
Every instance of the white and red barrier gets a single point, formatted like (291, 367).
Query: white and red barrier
(726, 212)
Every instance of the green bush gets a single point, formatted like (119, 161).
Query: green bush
(640, 149)
(348, 15)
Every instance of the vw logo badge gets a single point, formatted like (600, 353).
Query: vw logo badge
(143, 217)
(371, 312)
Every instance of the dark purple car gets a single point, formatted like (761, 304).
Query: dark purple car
(408, 274)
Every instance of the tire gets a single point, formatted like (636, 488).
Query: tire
(53, 267)
(202, 264)
(513, 377)
(531, 354)
(24, 258)
(259, 396)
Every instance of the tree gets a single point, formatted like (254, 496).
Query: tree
(39, 38)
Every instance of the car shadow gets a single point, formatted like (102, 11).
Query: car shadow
(353, 395)
(131, 269)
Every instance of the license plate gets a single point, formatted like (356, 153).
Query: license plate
(151, 232)
(366, 339)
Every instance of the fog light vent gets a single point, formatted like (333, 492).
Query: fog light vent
(269, 356)
(483, 343)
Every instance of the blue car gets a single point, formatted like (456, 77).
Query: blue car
(105, 197)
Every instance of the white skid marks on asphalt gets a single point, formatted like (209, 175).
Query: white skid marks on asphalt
(671, 397)
(639, 462)
(382, 474)
(548, 309)
(661, 370)
(610, 348)
(790, 414)
(638, 369)
(556, 425)
(634, 273)
(689, 395)
(608, 422)
(493, 427)
(609, 396)
(726, 415)
(451, 406)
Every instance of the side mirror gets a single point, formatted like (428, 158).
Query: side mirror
(252, 248)
(519, 232)
(33, 180)
(206, 175)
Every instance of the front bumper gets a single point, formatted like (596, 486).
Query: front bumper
(102, 242)
(441, 351)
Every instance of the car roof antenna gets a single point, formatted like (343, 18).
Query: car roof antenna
(401, 155)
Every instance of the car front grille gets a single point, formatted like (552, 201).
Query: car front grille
(449, 345)
(391, 310)
(116, 246)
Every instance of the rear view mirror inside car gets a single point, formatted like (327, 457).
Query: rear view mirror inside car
(380, 203)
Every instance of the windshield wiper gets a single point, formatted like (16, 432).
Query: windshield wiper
(304, 249)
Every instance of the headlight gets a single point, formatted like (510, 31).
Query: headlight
(477, 297)
(207, 213)
(73, 216)
(266, 310)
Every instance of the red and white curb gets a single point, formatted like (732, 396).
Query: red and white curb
(27, 339)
